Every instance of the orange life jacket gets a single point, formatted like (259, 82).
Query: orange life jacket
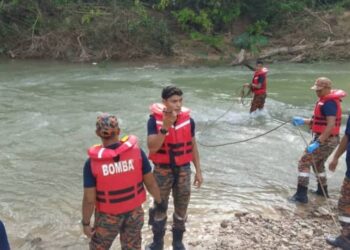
(319, 121)
(119, 184)
(257, 74)
(177, 142)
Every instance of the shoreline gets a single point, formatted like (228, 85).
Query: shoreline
(304, 228)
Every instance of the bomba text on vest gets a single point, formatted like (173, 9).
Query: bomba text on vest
(118, 167)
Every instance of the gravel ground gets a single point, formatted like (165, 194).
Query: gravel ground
(304, 228)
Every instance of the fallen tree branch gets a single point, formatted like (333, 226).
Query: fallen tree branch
(299, 48)
(242, 56)
(84, 56)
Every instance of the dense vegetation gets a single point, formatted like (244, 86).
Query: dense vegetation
(104, 29)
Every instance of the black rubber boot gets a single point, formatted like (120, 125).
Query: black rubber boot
(158, 229)
(340, 241)
(300, 195)
(177, 239)
(319, 190)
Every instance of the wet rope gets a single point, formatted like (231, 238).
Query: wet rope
(244, 94)
(319, 180)
(245, 140)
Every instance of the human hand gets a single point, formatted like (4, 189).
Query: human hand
(88, 231)
(298, 121)
(169, 117)
(313, 146)
(247, 85)
(333, 165)
(198, 179)
(161, 207)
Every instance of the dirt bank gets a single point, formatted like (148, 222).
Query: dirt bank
(303, 38)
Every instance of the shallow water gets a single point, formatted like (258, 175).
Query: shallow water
(48, 111)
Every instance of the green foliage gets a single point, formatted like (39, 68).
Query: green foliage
(188, 19)
(106, 27)
(342, 6)
(257, 28)
(203, 16)
(272, 10)
(214, 41)
(163, 4)
(139, 23)
(89, 16)
(252, 43)
(154, 31)
(252, 39)
(346, 4)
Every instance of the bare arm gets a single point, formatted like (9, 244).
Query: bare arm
(88, 206)
(328, 130)
(154, 142)
(307, 121)
(198, 179)
(257, 86)
(340, 150)
(249, 66)
(342, 147)
(152, 187)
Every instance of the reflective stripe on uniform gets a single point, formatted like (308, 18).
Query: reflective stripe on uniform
(182, 124)
(100, 153)
(323, 174)
(344, 219)
(303, 174)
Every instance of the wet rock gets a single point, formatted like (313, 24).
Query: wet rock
(323, 211)
(240, 214)
(36, 241)
(224, 223)
(253, 231)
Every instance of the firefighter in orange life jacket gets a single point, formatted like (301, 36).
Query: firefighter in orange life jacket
(172, 147)
(114, 178)
(325, 126)
(258, 86)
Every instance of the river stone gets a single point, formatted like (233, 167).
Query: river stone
(225, 223)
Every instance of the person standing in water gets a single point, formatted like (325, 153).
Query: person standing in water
(258, 86)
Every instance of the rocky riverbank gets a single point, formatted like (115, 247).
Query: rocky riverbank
(304, 228)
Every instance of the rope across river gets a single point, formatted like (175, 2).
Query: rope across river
(243, 93)
(245, 140)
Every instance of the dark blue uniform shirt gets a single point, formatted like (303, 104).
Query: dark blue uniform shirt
(261, 79)
(89, 178)
(329, 108)
(4, 244)
(347, 133)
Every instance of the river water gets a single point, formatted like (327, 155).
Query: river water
(48, 111)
